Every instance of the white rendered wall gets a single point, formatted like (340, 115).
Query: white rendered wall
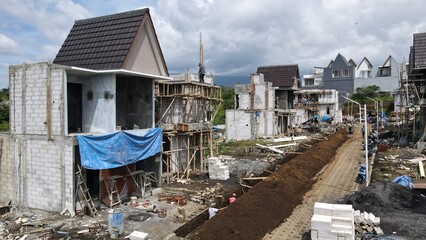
(238, 125)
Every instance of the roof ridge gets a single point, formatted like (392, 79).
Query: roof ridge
(282, 65)
(113, 14)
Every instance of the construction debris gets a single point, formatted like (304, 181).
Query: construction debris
(209, 195)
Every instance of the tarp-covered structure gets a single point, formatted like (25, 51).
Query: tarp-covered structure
(119, 148)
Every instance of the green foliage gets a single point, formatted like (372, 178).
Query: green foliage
(227, 103)
(4, 94)
(4, 110)
(230, 147)
(361, 93)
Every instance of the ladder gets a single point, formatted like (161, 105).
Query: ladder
(112, 189)
(148, 177)
(83, 192)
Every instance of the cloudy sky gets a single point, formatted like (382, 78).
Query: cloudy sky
(238, 35)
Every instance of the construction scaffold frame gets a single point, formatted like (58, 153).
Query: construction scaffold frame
(185, 111)
(411, 114)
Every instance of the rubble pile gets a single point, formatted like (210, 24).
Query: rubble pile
(366, 225)
(209, 195)
(36, 225)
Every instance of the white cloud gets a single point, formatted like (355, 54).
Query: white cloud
(238, 35)
(7, 45)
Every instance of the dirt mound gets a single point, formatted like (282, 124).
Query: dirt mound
(401, 210)
(383, 196)
(271, 201)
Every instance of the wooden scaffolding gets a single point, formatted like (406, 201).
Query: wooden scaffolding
(412, 106)
(185, 110)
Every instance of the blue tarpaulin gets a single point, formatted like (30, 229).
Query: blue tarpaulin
(118, 149)
(404, 180)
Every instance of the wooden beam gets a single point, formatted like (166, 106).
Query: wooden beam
(254, 178)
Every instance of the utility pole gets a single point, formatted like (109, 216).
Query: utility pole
(201, 49)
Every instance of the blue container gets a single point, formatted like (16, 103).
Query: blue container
(115, 220)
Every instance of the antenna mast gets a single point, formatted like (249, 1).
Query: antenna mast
(201, 49)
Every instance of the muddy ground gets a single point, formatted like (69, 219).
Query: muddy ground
(271, 201)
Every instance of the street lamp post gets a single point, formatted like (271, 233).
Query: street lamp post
(356, 103)
(367, 179)
(376, 106)
(381, 114)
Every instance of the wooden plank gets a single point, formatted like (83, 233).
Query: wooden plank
(294, 152)
(270, 148)
(244, 185)
(422, 170)
(288, 139)
(255, 178)
(285, 145)
(419, 184)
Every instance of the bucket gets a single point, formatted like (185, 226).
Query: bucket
(115, 232)
(115, 220)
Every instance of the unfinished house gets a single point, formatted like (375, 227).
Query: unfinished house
(412, 94)
(94, 108)
(317, 102)
(286, 80)
(185, 110)
(254, 113)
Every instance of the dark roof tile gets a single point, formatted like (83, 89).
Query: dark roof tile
(101, 42)
(280, 75)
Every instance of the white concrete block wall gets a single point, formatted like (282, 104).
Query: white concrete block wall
(36, 171)
(43, 175)
(28, 95)
(243, 101)
(238, 125)
(6, 170)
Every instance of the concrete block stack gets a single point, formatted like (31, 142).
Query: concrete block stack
(332, 221)
(218, 169)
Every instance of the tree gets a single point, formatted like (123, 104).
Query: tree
(361, 93)
(227, 103)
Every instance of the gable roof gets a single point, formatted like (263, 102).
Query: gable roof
(388, 62)
(102, 43)
(280, 75)
(366, 62)
(352, 62)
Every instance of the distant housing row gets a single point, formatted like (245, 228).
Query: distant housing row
(277, 99)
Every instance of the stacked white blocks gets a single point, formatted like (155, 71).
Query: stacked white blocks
(332, 221)
(218, 170)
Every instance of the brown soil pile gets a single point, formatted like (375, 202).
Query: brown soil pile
(271, 201)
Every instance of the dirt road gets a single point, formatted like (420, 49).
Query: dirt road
(336, 181)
